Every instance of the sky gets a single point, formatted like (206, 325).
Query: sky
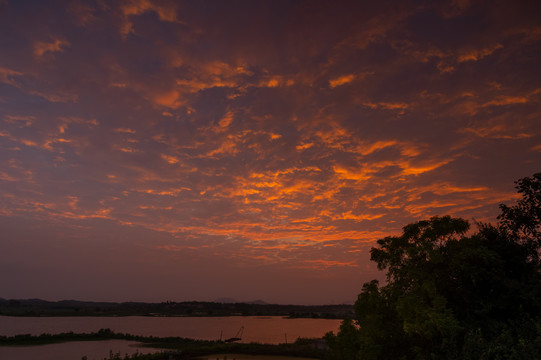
(195, 150)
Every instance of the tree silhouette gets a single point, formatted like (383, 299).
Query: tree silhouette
(452, 296)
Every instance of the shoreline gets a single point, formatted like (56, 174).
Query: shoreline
(306, 348)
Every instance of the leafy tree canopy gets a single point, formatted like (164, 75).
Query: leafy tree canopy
(523, 220)
(450, 295)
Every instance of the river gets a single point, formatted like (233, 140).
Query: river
(271, 330)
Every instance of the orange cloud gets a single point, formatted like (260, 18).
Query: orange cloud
(335, 137)
(7, 76)
(126, 149)
(20, 120)
(304, 146)
(170, 159)
(26, 142)
(401, 107)
(477, 54)
(118, 85)
(346, 174)
(166, 12)
(79, 120)
(506, 100)
(447, 188)
(214, 74)
(125, 130)
(169, 192)
(497, 131)
(433, 207)
(224, 122)
(276, 81)
(445, 68)
(409, 169)
(6, 177)
(361, 217)
(170, 99)
(341, 80)
(49, 144)
(227, 147)
(57, 45)
(369, 148)
(56, 97)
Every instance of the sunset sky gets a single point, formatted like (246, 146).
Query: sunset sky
(194, 150)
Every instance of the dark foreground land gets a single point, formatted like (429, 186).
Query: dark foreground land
(37, 307)
(175, 347)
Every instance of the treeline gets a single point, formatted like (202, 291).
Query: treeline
(37, 307)
(453, 293)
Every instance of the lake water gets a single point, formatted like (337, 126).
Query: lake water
(271, 330)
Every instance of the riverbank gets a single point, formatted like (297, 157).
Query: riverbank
(176, 347)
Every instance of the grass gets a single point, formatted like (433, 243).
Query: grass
(174, 347)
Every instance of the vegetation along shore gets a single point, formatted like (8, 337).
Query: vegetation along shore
(173, 347)
(38, 307)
